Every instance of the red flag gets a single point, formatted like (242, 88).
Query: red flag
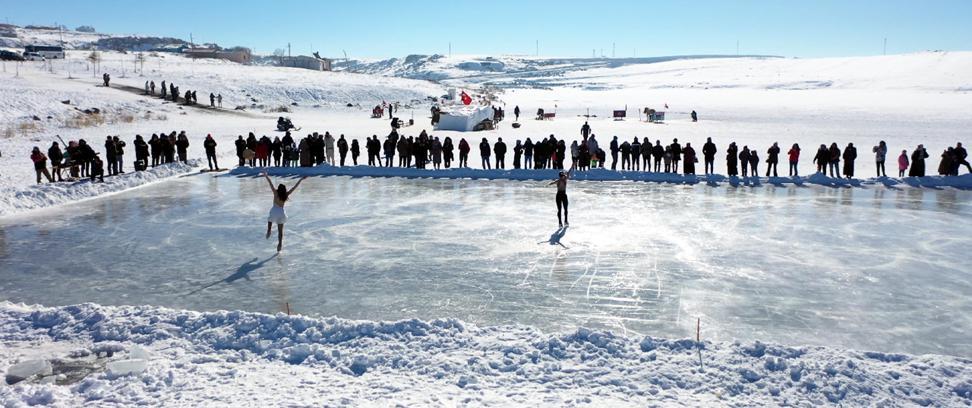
(466, 99)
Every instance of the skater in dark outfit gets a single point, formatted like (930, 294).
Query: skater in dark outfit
(561, 183)
(277, 214)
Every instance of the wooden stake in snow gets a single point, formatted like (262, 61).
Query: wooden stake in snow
(288, 308)
(698, 340)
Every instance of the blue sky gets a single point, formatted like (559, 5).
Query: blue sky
(378, 28)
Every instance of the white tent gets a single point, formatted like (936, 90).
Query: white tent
(463, 118)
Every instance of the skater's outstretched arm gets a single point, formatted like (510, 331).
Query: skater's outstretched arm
(296, 185)
(270, 182)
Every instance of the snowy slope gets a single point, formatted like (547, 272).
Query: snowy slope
(248, 359)
(29, 36)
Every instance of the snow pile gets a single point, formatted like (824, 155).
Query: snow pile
(964, 181)
(49, 194)
(214, 358)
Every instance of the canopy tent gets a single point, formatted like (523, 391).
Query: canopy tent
(463, 118)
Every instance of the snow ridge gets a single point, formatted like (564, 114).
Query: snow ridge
(50, 194)
(214, 357)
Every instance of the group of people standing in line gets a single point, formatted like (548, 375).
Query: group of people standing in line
(80, 160)
(426, 150)
(170, 91)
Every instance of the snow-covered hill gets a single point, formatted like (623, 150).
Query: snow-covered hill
(18, 37)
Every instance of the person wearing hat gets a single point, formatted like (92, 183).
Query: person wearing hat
(97, 170)
(561, 199)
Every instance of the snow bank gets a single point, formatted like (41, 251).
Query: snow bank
(49, 194)
(214, 358)
(964, 181)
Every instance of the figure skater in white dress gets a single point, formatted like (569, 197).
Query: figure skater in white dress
(277, 214)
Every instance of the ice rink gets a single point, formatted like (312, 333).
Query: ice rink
(867, 268)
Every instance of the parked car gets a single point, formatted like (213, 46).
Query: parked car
(33, 56)
(10, 56)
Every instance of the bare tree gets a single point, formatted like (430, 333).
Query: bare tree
(94, 58)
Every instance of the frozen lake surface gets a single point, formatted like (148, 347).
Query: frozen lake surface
(868, 268)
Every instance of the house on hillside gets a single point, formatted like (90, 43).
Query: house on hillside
(305, 62)
(241, 56)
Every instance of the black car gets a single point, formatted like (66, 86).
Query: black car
(10, 56)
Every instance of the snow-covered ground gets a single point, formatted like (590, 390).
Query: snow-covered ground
(190, 359)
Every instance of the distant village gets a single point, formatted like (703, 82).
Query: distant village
(51, 45)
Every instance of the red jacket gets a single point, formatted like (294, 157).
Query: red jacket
(38, 157)
(794, 155)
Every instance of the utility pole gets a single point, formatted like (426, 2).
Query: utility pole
(737, 48)
(450, 49)
(612, 50)
(288, 50)
(538, 48)
(885, 45)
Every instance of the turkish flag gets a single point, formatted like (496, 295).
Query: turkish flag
(466, 99)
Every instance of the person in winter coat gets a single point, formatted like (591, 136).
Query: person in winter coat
(355, 152)
(918, 157)
(448, 151)
(822, 158)
(210, 145)
(388, 147)
(772, 159)
(744, 160)
(500, 149)
(87, 155)
(731, 160)
(636, 155)
(695, 117)
(585, 130)
(436, 154)
(850, 154)
(155, 145)
(484, 153)
(794, 157)
(212, 100)
(516, 113)
(614, 153)
(56, 156)
(754, 162)
(463, 153)
(119, 155)
(40, 165)
(342, 145)
(708, 155)
(528, 148)
(240, 147)
(625, 150)
(182, 146)
(169, 145)
(97, 169)
(141, 153)
(657, 151)
(329, 148)
(880, 153)
(593, 147)
(110, 156)
(644, 154)
(690, 159)
(676, 155)
(276, 150)
(961, 158)
(946, 165)
(902, 163)
(834, 160)
(517, 154)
